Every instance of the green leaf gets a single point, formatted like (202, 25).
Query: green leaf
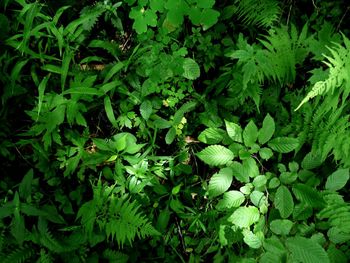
(143, 18)
(306, 251)
(234, 131)
(25, 187)
(170, 135)
(283, 144)
(211, 136)
(250, 134)
(216, 155)
(220, 182)
(231, 199)
(251, 239)
(191, 69)
(146, 109)
(176, 11)
(311, 161)
(239, 172)
(267, 130)
(284, 201)
(308, 195)
(337, 180)
(67, 57)
(281, 226)
(245, 216)
(109, 111)
(204, 17)
(265, 153)
(41, 89)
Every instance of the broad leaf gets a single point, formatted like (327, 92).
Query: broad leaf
(284, 201)
(234, 131)
(231, 199)
(220, 182)
(337, 180)
(308, 195)
(216, 155)
(191, 69)
(146, 109)
(281, 226)
(211, 136)
(250, 134)
(267, 130)
(245, 216)
(283, 144)
(306, 251)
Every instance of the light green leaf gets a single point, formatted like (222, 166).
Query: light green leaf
(283, 144)
(220, 182)
(191, 69)
(234, 131)
(337, 180)
(216, 155)
(265, 153)
(250, 167)
(284, 201)
(245, 216)
(281, 226)
(250, 134)
(146, 109)
(239, 172)
(109, 111)
(170, 135)
(231, 199)
(306, 251)
(25, 187)
(83, 91)
(211, 136)
(267, 130)
(257, 198)
(260, 181)
(251, 239)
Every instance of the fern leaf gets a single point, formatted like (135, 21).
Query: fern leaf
(261, 13)
(19, 255)
(339, 68)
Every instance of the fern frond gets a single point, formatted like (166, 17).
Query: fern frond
(125, 222)
(261, 13)
(115, 256)
(337, 213)
(44, 257)
(19, 255)
(339, 72)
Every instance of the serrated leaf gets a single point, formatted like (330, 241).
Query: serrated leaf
(220, 182)
(267, 130)
(284, 201)
(245, 216)
(250, 134)
(191, 69)
(231, 199)
(308, 195)
(311, 161)
(283, 144)
(211, 136)
(337, 180)
(146, 109)
(306, 251)
(281, 226)
(216, 155)
(234, 131)
(239, 172)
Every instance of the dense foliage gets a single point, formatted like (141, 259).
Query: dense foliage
(174, 131)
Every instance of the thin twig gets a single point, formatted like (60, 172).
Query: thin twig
(342, 18)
